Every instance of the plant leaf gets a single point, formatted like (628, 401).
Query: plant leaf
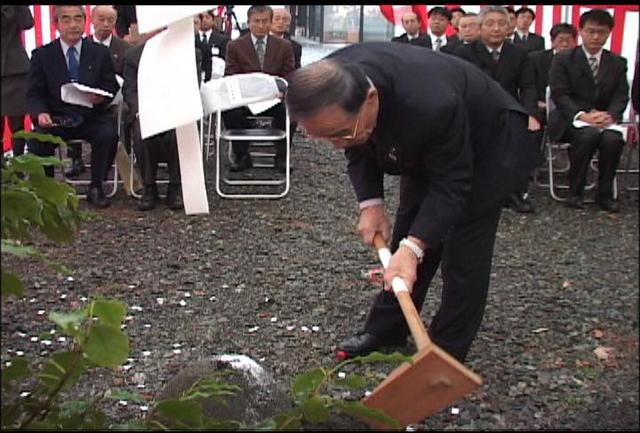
(359, 410)
(315, 411)
(11, 284)
(107, 346)
(188, 412)
(18, 369)
(307, 383)
(109, 312)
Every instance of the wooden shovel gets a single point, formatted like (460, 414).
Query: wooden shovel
(413, 392)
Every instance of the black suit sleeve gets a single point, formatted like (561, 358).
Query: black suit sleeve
(560, 86)
(366, 176)
(108, 79)
(620, 97)
(37, 86)
(448, 158)
(527, 87)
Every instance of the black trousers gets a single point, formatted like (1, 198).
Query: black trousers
(158, 148)
(584, 143)
(237, 119)
(465, 260)
(99, 132)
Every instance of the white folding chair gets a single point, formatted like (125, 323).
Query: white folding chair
(257, 91)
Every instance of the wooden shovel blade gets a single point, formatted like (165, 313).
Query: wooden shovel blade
(413, 392)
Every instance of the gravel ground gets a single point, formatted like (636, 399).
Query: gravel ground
(281, 281)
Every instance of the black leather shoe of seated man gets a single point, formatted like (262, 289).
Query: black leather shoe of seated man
(364, 343)
(174, 197)
(77, 167)
(608, 204)
(520, 203)
(96, 197)
(149, 198)
(242, 163)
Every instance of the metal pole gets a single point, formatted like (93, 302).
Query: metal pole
(361, 29)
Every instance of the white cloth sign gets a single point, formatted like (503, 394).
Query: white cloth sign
(168, 92)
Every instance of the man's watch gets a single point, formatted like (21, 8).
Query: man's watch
(406, 242)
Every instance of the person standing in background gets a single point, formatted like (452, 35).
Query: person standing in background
(15, 69)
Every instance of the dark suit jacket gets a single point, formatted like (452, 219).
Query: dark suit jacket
(422, 40)
(541, 65)
(533, 43)
(117, 48)
(513, 70)
(242, 57)
(297, 50)
(443, 124)
(216, 40)
(573, 88)
(14, 20)
(49, 71)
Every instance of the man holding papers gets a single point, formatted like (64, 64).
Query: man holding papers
(590, 90)
(71, 58)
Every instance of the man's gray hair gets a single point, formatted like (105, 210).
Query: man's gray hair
(489, 9)
(56, 11)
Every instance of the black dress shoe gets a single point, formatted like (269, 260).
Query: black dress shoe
(575, 201)
(520, 203)
(242, 163)
(96, 197)
(609, 205)
(149, 198)
(77, 167)
(174, 197)
(281, 165)
(364, 343)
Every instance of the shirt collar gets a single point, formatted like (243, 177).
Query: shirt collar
(490, 50)
(522, 35)
(106, 42)
(443, 39)
(597, 55)
(65, 47)
(254, 40)
(410, 37)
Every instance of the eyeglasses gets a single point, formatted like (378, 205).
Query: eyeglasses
(347, 137)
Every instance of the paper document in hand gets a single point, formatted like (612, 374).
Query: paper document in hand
(613, 127)
(78, 94)
(116, 100)
(237, 91)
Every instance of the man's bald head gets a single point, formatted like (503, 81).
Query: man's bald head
(324, 83)
(103, 18)
(280, 22)
(411, 23)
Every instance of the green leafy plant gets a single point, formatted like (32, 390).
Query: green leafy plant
(313, 405)
(32, 200)
(32, 395)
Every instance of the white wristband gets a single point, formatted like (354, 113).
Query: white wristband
(406, 242)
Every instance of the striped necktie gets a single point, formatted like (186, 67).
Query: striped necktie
(593, 64)
(260, 51)
(438, 44)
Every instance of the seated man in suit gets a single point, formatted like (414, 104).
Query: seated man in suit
(72, 58)
(511, 28)
(411, 23)
(563, 37)
(508, 65)
(468, 28)
(213, 43)
(258, 52)
(151, 150)
(439, 18)
(456, 13)
(522, 36)
(589, 84)
(280, 28)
